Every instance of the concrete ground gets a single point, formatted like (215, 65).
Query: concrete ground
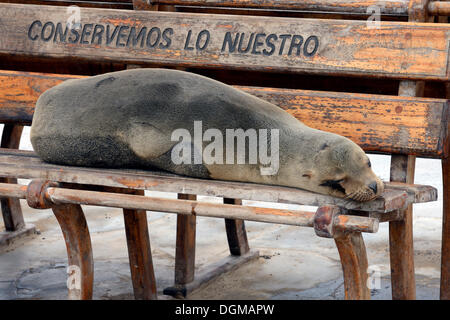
(294, 263)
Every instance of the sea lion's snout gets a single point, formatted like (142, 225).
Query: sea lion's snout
(365, 192)
(350, 173)
(373, 187)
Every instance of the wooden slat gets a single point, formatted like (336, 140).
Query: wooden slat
(26, 165)
(395, 50)
(377, 123)
(445, 255)
(11, 209)
(139, 253)
(79, 250)
(392, 7)
(395, 7)
(19, 92)
(236, 233)
(110, 4)
(388, 124)
(185, 245)
(439, 8)
(210, 272)
(352, 252)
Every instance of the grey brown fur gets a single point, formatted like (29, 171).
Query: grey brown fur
(125, 119)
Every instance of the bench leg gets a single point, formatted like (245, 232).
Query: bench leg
(15, 226)
(401, 247)
(140, 255)
(445, 255)
(185, 246)
(79, 251)
(185, 253)
(352, 252)
(236, 234)
(12, 213)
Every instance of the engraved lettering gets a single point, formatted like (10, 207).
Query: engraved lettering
(86, 33)
(188, 40)
(258, 43)
(296, 42)
(231, 43)
(36, 36)
(109, 36)
(125, 35)
(133, 39)
(270, 44)
(283, 38)
(98, 33)
(121, 35)
(76, 34)
(249, 44)
(43, 31)
(58, 31)
(314, 50)
(203, 34)
(153, 30)
(167, 33)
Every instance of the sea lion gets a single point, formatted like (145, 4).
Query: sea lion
(127, 119)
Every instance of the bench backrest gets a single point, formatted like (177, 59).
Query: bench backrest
(346, 7)
(397, 50)
(386, 124)
(319, 46)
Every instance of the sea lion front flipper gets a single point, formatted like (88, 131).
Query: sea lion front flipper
(146, 140)
(154, 146)
(191, 169)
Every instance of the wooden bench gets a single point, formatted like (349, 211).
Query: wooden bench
(403, 126)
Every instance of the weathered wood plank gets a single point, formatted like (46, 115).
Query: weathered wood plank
(396, 7)
(205, 209)
(211, 272)
(396, 49)
(25, 164)
(7, 238)
(140, 254)
(185, 245)
(377, 123)
(352, 252)
(79, 250)
(445, 255)
(401, 244)
(19, 92)
(439, 8)
(11, 210)
(417, 193)
(109, 4)
(236, 233)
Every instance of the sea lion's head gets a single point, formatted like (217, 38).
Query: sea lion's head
(342, 169)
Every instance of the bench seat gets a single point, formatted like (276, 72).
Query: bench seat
(26, 165)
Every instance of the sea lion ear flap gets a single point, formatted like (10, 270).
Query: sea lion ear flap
(308, 174)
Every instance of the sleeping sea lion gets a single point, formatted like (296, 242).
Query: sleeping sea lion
(136, 119)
